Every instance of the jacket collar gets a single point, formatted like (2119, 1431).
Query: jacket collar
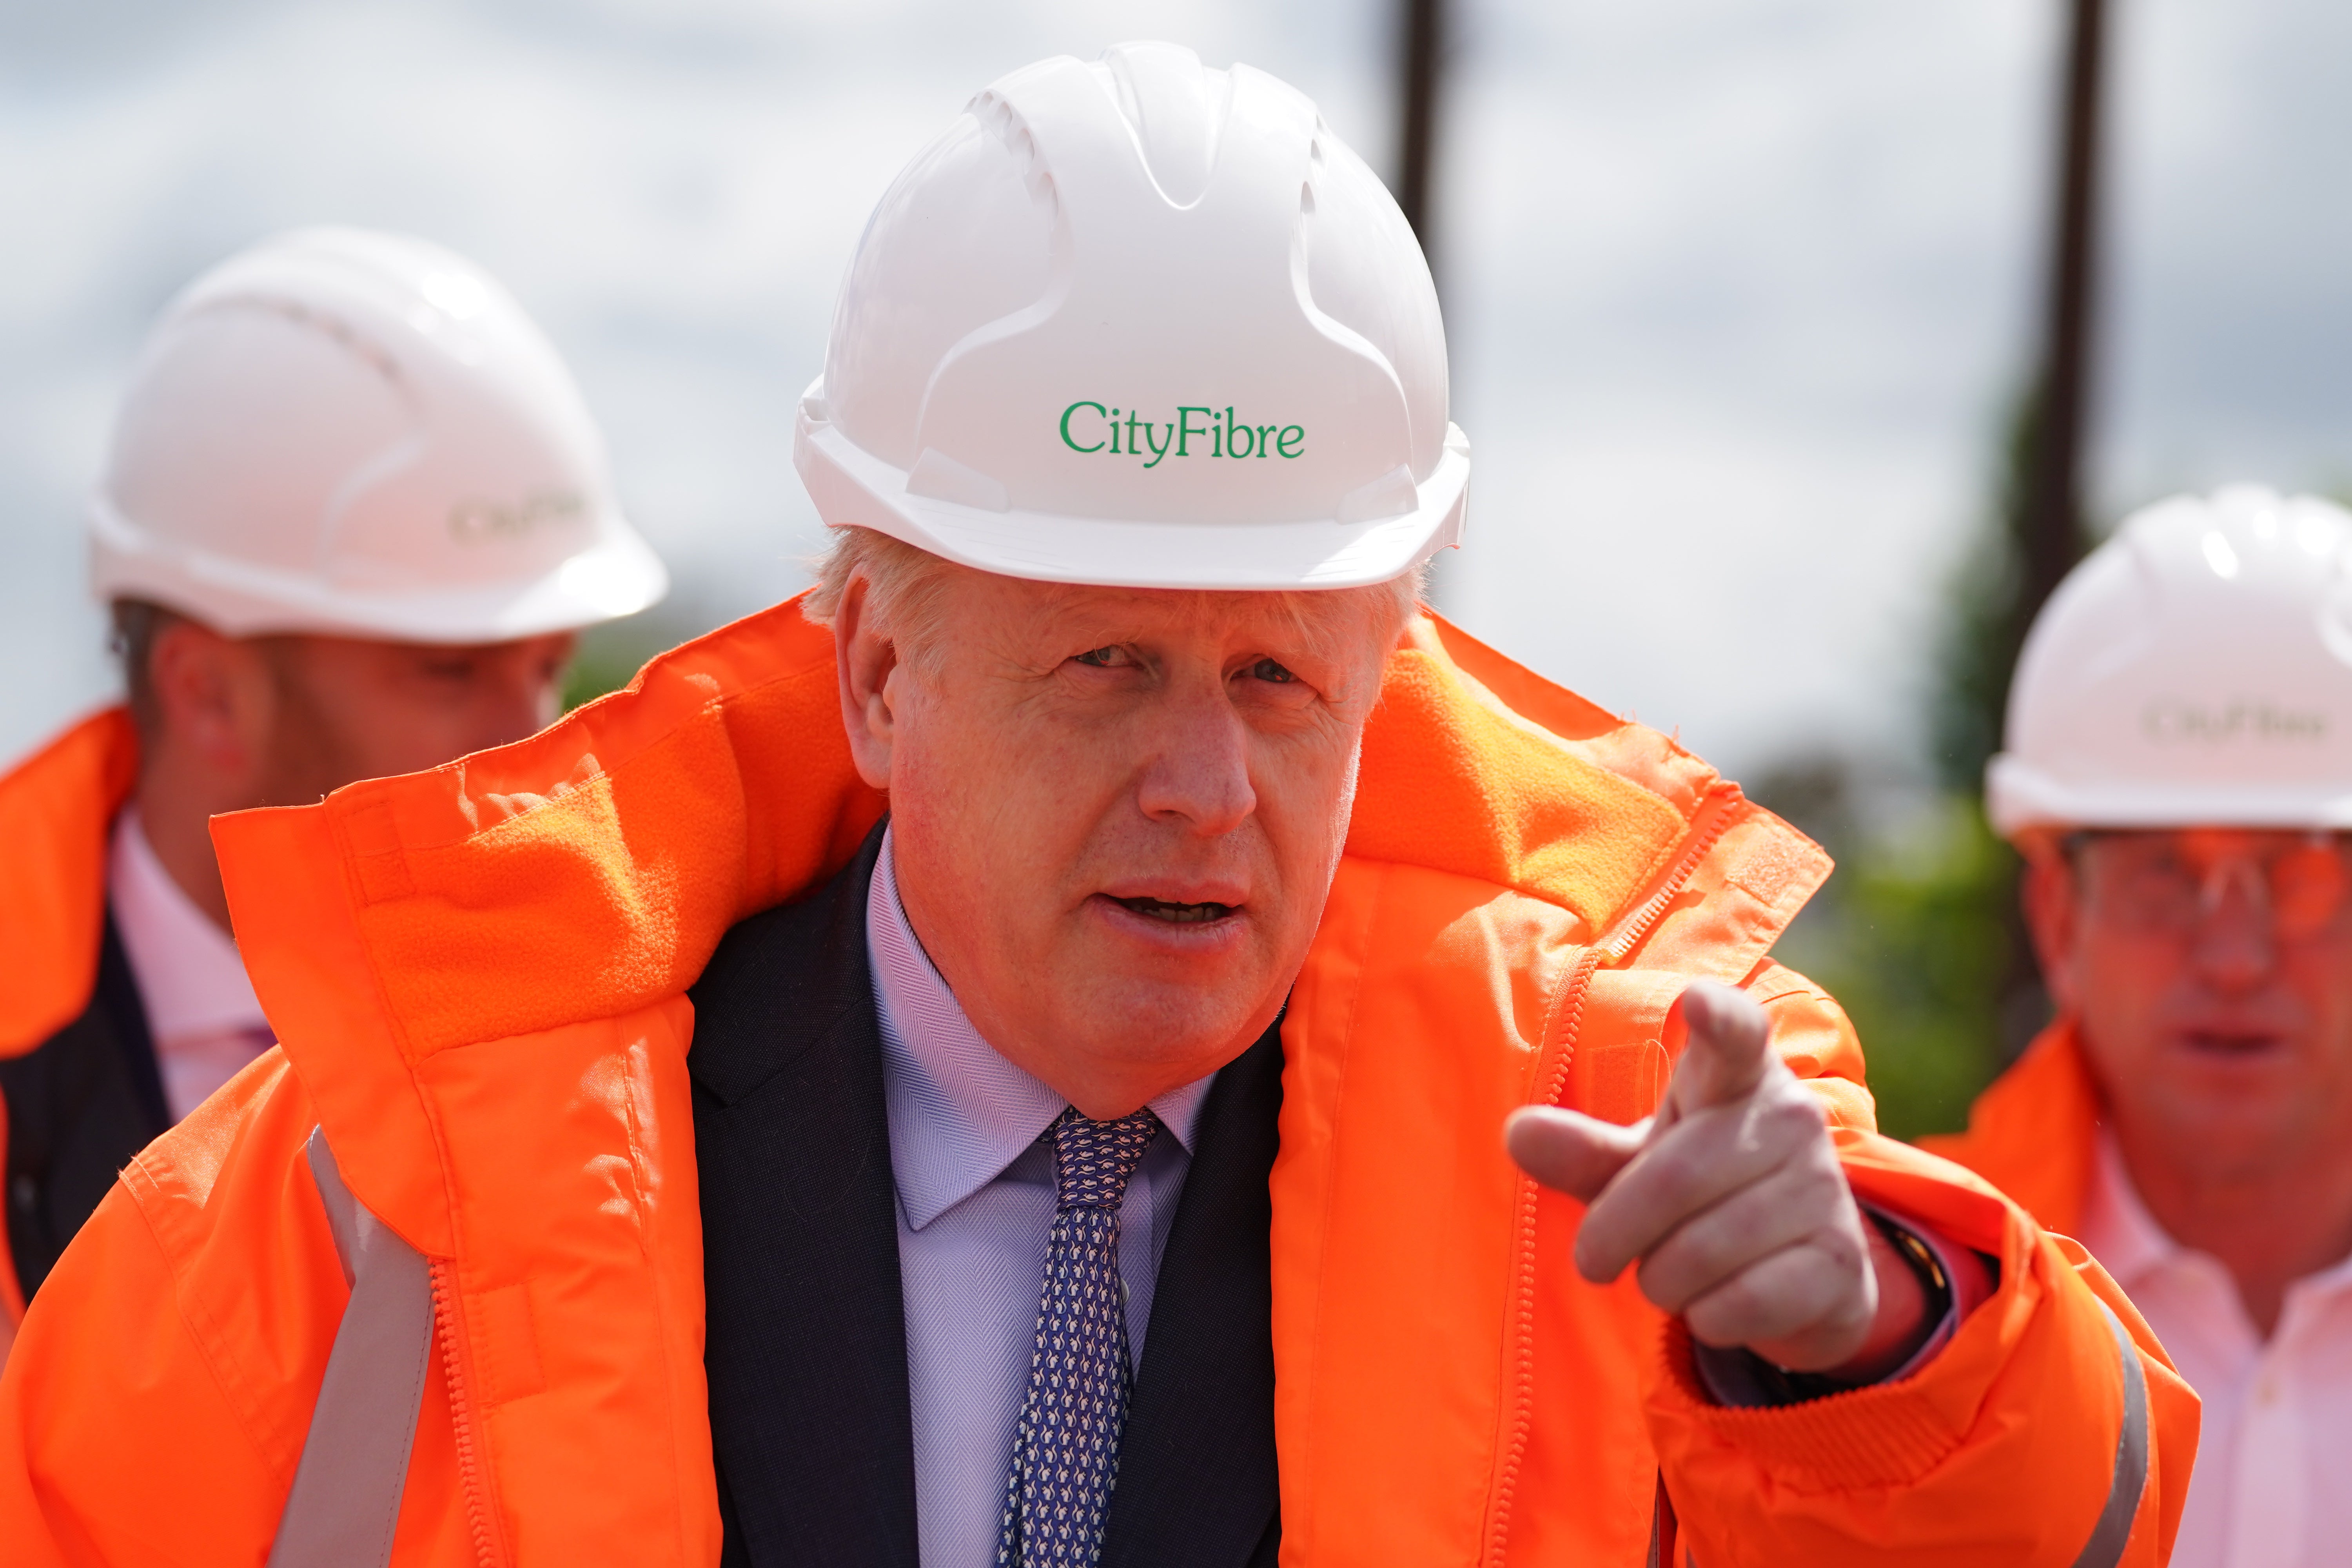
(2035, 1133)
(589, 871)
(55, 810)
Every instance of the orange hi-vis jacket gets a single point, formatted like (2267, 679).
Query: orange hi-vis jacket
(57, 810)
(479, 974)
(2035, 1129)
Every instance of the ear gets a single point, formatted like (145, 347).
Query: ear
(213, 699)
(864, 660)
(2053, 897)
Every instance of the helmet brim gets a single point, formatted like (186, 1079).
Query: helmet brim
(617, 575)
(2021, 798)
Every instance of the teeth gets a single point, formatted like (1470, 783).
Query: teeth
(1178, 914)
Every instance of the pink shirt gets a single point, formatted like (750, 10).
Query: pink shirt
(2273, 1487)
(201, 1011)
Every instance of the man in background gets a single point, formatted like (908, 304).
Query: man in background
(2179, 779)
(352, 513)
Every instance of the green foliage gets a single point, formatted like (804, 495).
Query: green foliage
(1912, 936)
(1918, 934)
(1912, 944)
(609, 655)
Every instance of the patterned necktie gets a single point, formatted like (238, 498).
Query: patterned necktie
(1065, 1449)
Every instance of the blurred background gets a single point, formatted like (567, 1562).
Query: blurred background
(1756, 309)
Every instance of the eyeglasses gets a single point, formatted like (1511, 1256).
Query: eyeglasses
(2170, 880)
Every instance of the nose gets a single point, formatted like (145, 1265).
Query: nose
(1199, 775)
(2236, 946)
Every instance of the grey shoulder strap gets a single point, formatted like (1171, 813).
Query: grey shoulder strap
(346, 1494)
(2108, 1537)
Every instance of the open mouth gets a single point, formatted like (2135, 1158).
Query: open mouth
(1176, 914)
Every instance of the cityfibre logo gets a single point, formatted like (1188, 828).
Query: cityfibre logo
(2176, 721)
(1196, 431)
(481, 521)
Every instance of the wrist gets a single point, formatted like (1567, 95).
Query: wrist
(1945, 1282)
(1914, 1297)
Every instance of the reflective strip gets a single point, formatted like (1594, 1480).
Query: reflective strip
(346, 1496)
(2105, 1547)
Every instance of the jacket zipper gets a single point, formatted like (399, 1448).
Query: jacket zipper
(1708, 824)
(471, 1480)
(1522, 1320)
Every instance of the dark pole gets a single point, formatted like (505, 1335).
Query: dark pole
(1421, 59)
(2051, 535)
(2047, 527)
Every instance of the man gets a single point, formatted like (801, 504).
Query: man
(746, 1176)
(2179, 777)
(352, 511)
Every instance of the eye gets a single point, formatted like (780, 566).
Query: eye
(1267, 669)
(1110, 657)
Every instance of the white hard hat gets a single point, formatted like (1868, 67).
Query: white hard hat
(356, 433)
(2195, 671)
(1140, 323)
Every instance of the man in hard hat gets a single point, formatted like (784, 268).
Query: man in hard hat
(2178, 776)
(1045, 1009)
(352, 511)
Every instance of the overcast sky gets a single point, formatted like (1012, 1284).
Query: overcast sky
(1737, 289)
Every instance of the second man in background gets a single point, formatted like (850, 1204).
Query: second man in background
(353, 511)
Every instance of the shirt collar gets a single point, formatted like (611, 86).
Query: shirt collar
(190, 980)
(960, 1112)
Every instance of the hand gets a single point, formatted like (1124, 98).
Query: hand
(1732, 1201)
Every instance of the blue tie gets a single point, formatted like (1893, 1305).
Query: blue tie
(1065, 1449)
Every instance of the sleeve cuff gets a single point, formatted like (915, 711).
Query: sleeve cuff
(1957, 1280)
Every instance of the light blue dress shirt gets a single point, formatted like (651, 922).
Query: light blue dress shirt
(976, 1200)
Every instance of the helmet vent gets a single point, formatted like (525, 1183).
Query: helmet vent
(1176, 109)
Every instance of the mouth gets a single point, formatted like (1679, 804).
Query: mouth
(1177, 914)
(2232, 1043)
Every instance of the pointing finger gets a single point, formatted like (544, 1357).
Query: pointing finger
(1568, 1150)
(1728, 1048)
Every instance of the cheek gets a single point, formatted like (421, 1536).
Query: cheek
(1304, 796)
(2320, 975)
(999, 790)
(2126, 988)
(2117, 972)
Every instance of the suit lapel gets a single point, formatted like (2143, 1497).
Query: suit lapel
(806, 1347)
(1197, 1480)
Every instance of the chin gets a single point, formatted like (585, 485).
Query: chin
(1185, 1022)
